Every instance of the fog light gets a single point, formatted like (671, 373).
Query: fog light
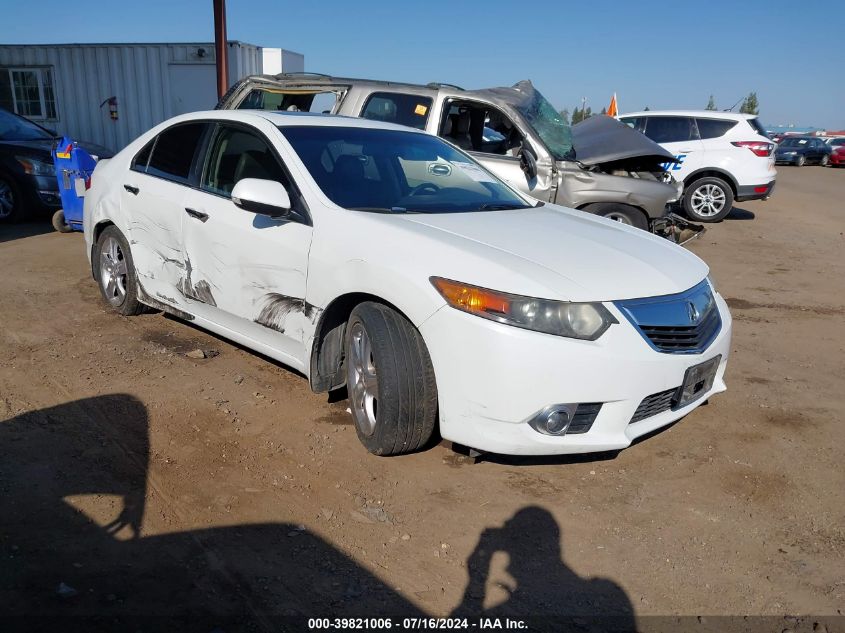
(553, 420)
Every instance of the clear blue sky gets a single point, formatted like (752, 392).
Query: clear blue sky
(670, 54)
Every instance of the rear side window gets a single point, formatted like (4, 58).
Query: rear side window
(636, 122)
(139, 163)
(410, 110)
(714, 128)
(174, 151)
(670, 129)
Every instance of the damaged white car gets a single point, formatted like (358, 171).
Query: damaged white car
(383, 259)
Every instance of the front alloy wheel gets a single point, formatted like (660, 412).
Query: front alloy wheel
(390, 381)
(7, 201)
(115, 272)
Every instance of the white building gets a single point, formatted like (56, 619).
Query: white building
(66, 87)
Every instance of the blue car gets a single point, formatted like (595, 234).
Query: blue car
(801, 150)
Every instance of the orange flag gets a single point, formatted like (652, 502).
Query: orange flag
(612, 109)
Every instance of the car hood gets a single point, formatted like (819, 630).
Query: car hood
(603, 139)
(561, 253)
(44, 147)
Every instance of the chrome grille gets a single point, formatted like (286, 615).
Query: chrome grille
(683, 323)
(654, 404)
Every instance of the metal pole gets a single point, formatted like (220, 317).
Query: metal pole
(220, 48)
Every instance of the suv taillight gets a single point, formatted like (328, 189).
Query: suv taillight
(760, 148)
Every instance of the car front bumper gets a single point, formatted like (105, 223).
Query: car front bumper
(493, 378)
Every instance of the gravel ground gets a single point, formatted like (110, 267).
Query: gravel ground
(136, 479)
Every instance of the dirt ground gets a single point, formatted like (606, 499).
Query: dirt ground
(135, 479)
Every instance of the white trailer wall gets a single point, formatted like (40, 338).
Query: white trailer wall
(152, 82)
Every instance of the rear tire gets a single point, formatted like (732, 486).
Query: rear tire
(390, 381)
(623, 213)
(114, 271)
(799, 162)
(824, 160)
(708, 199)
(59, 222)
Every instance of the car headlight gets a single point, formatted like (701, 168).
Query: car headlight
(35, 167)
(586, 321)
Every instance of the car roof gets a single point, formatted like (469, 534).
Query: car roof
(705, 114)
(293, 119)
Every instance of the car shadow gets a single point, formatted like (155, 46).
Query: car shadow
(75, 483)
(740, 214)
(9, 232)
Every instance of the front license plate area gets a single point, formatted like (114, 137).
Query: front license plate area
(698, 380)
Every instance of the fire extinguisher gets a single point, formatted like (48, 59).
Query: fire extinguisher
(112, 101)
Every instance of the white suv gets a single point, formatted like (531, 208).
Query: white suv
(722, 157)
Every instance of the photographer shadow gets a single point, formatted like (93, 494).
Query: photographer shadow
(542, 589)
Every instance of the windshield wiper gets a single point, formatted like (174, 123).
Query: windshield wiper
(380, 209)
(500, 206)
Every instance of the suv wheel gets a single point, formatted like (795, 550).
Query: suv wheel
(390, 381)
(623, 213)
(708, 199)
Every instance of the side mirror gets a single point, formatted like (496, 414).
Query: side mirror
(264, 197)
(528, 163)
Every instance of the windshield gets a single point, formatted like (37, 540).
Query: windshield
(546, 122)
(15, 128)
(793, 142)
(391, 171)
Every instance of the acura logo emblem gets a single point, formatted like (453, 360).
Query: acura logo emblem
(693, 312)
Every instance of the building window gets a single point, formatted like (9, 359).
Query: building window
(28, 92)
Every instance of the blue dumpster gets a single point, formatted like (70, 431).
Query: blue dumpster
(74, 167)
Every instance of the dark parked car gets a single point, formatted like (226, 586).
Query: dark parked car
(28, 185)
(799, 150)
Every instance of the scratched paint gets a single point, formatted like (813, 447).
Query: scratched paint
(198, 291)
(277, 307)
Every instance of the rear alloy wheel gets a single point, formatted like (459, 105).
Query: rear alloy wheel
(115, 272)
(390, 381)
(9, 200)
(618, 212)
(824, 160)
(708, 199)
(800, 161)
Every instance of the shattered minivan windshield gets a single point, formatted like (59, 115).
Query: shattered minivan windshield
(393, 171)
(546, 121)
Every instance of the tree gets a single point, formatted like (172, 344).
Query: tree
(579, 115)
(646, 109)
(711, 104)
(750, 104)
(604, 110)
(564, 115)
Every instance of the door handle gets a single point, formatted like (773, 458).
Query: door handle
(133, 190)
(199, 215)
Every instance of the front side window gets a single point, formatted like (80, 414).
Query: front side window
(391, 171)
(636, 122)
(478, 127)
(173, 152)
(670, 129)
(28, 92)
(402, 109)
(235, 154)
(713, 128)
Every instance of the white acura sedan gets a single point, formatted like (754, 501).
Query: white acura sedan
(386, 260)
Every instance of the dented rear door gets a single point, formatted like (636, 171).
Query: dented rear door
(247, 271)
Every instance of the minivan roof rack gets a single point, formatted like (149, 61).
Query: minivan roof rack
(440, 84)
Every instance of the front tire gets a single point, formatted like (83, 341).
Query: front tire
(708, 199)
(799, 162)
(623, 213)
(824, 160)
(390, 381)
(10, 200)
(115, 272)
